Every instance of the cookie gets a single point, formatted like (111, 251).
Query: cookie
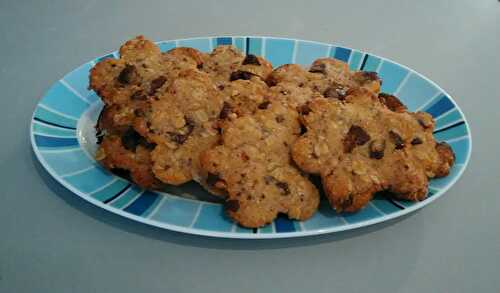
(327, 76)
(128, 156)
(182, 123)
(363, 144)
(242, 97)
(226, 63)
(252, 165)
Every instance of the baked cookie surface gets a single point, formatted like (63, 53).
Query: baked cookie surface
(359, 145)
(254, 168)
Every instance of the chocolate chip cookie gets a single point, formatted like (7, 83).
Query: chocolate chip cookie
(364, 143)
(252, 165)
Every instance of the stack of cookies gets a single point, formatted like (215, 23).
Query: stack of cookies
(253, 135)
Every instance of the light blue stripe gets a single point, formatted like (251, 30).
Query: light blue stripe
(332, 52)
(392, 75)
(255, 46)
(416, 92)
(279, 51)
(307, 52)
(67, 162)
(41, 128)
(440, 183)
(323, 218)
(384, 205)
(240, 229)
(461, 148)
(90, 180)
(239, 43)
(78, 79)
(365, 214)
(199, 44)
(212, 218)
(449, 118)
(110, 190)
(355, 61)
(61, 99)
(372, 63)
(451, 133)
(54, 118)
(266, 229)
(166, 46)
(127, 197)
(176, 211)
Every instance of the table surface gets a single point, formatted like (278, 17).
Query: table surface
(52, 241)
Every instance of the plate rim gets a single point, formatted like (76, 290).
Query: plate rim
(234, 235)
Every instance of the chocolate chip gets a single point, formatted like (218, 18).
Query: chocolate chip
(397, 139)
(416, 140)
(280, 118)
(285, 190)
(240, 75)
(264, 105)
(121, 172)
(304, 109)
(232, 205)
(268, 179)
(226, 110)
(212, 179)
(156, 84)
(391, 102)
(303, 129)
(131, 139)
(365, 76)
(220, 87)
(377, 147)
(138, 95)
(427, 123)
(180, 138)
(138, 112)
(199, 66)
(251, 59)
(146, 144)
(127, 74)
(318, 68)
(99, 135)
(347, 202)
(355, 136)
(336, 92)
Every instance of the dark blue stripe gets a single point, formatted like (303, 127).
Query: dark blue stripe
(247, 46)
(48, 141)
(450, 127)
(141, 204)
(53, 124)
(224, 41)
(118, 194)
(364, 62)
(283, 224)
(443, 105)
(105, 57)
(342, 54)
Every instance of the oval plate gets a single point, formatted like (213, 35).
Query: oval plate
(63, 139)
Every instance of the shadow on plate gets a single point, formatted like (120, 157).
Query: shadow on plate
(145, 230)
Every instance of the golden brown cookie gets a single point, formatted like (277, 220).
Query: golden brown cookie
(327, 76)
(226, 63)
(128, 156)
(359, 146)
(253, 166)
(182, 123)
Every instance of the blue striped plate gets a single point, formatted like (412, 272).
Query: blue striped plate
(62, 136)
